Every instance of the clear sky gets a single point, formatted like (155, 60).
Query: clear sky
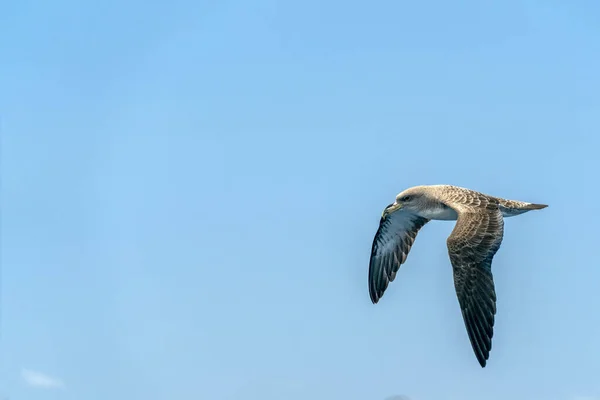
(190, 192)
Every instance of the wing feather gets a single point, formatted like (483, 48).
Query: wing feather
(391, 245)
(476, 238)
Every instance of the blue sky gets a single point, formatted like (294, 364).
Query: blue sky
(190, 191)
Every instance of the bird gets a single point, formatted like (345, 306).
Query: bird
(472, 244)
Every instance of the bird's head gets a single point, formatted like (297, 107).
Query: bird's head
(412, 200)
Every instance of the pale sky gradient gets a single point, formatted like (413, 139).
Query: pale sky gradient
(190, 191)
(41, 380)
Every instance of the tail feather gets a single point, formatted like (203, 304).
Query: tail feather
(521, 205)
(533, 206)
(511, 208)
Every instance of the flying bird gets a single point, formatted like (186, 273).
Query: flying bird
(475, 239)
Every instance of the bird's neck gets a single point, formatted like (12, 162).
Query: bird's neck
(439, 211)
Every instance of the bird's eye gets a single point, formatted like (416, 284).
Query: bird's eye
(405, 198)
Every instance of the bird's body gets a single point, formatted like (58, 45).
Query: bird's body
(476, 238)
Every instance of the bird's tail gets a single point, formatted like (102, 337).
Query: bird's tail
(511, 208)
(533, 206)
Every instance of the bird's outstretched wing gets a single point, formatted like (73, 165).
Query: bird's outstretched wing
(392, 242)
(476, 238)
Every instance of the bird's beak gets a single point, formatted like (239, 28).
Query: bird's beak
(390, 209)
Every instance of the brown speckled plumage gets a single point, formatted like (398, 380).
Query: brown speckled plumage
(475, 239)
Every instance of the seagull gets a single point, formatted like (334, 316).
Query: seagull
(475, 239)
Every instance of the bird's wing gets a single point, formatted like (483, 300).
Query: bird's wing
(392, 242)
(476, 238)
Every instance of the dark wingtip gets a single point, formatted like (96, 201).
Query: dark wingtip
(482, 358)
(373, 295)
